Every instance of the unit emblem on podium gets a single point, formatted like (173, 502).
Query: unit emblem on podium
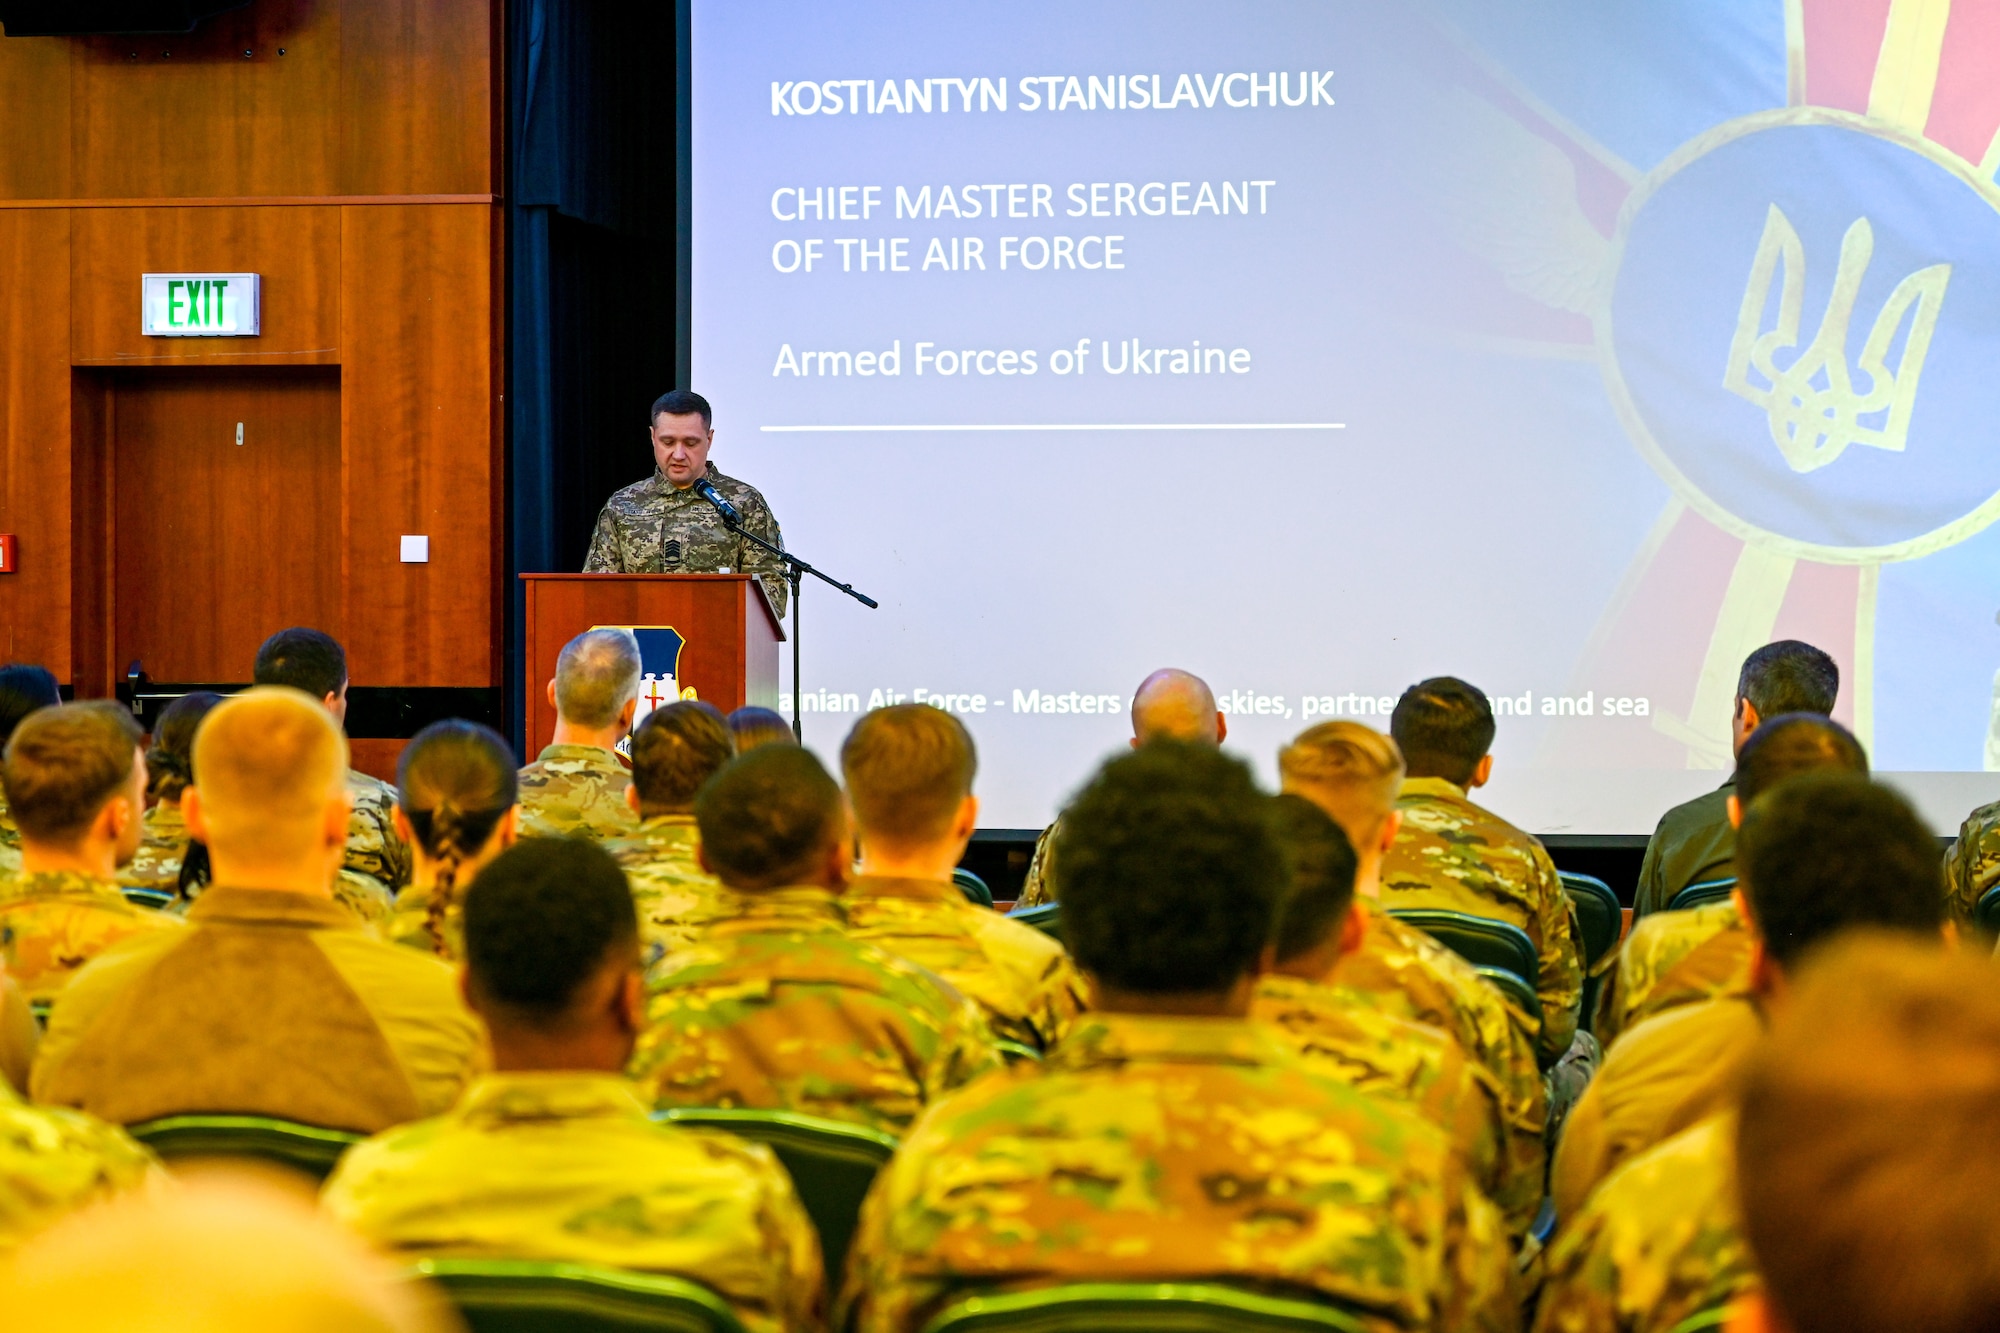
(660, 648)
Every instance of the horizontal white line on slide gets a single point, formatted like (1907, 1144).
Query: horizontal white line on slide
(1092, 425)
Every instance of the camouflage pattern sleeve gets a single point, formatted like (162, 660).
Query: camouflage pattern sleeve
(605, 556)
(1040, 885)
(964, 1051)
(1972, 862)
(1560, 974)
(53, 1162)
(758, 519)
(374, 849)
(1671, 959)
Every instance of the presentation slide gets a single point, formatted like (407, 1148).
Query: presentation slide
(1572, 349)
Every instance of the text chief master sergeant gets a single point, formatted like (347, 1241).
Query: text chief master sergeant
(662, 526)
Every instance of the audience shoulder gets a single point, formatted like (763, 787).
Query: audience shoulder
(96, 985)
(415, 1000)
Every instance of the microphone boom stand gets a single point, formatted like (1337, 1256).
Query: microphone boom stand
(795, 572)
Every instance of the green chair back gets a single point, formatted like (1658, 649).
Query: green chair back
(1044, 917)
(1599, 917)
(832, 1164)
(1515, 989)
(1704, 1322)
(41, 1009)
(1987, 911)
(1702, 894)
(153, 898)
(311, 1149)
(1016, 1052)
(524, 1296)
(1141, 1307)
(973, 887)
(1479, 940)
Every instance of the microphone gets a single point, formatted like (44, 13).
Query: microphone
(706, 491)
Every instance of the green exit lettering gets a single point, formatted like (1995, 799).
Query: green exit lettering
(195, 304)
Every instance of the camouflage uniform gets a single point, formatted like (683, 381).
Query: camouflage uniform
(1040, 885)
(1693, 842)
(568, 1167)
(1972, 862)
(676, 898)
(158, 863)
(1675, 958)
(652, 527)
(1450, 853)
(377, 864)
(1414, 977)
(576, 791)
(1022, 979)
(53, 1162)
(1343, 1034)
(10, 839)
(52, 924)
(1155, 1149)
(1659, 1242)
(409, 922)
(778, 1007)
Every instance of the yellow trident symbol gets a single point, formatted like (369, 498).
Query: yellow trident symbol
(1814, 409)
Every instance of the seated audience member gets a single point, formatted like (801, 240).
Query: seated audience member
(169, 769)
(376, 863)
(1696, 840)
(1868, 1168)
(1684, 957)
(576, 786)
(675, 750)
(76, 781)
(1817, 854)
(752, 726)
(909, 770)
(778, 1006)
(1353, 773)
(53, 1162)
(19, 1035)
(553, 1156)
(1166, 1137)
(276, 1000)
(1450, 853)
(1170, 704)
(23, 689)
(455, 790)
(1343, 1033)
(217, 1254)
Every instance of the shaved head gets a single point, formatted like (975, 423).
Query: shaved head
(268, 762)
(1175, 705)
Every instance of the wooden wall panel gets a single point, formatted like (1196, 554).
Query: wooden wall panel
(34, 437)
(191, 116)
(35, 91)
(420, 398)
(297, 250)
(93, 534)
(419, 83)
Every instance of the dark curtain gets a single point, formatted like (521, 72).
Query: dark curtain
(594, 294)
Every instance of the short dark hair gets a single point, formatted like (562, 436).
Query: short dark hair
(1829, 851)
(678, 403)
(170, 759)
(23, 690)
(541, 920)
(753, 726)
(1788, 677)
(767, 816)
(909, 768)
(64, 763)
(1171, 870)
(1867, 1161)
(1323, 869)
(305, 659)
(1444, 728)
(677, 748)
(1793, 743)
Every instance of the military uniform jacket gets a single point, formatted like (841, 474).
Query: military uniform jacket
(1972, 862)
(52, 924)
(53, 1162)
(1156, 1149)
(163, 846)
(1659, 1242)
(676, 898)
(1675, 958)
(1023, 980)
(1344, 1034)
(567, 1167)
(576, 791)
(1453, 854)
(653, 527)
(779, 1007)
(10, 839)
(377, 864)
(1412, 976)
(1693, 842)
(1040, 885)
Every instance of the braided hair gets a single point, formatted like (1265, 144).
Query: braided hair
(455, 783)
(170, 761)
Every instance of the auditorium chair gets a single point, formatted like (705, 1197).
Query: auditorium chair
(1702, 894)
(973, 887)
(530, 1296)
(1705, 1322)
(1599, 922)
(153, 898)
(310, 1149)
(1516, 990)
(1045, 918)
(1987, 912)
(1479, 940)
(831, 1162)
(1016, 1052)
(1141, 1307)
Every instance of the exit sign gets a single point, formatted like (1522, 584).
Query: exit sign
(199, 305)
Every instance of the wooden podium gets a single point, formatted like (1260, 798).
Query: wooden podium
(731, 634)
